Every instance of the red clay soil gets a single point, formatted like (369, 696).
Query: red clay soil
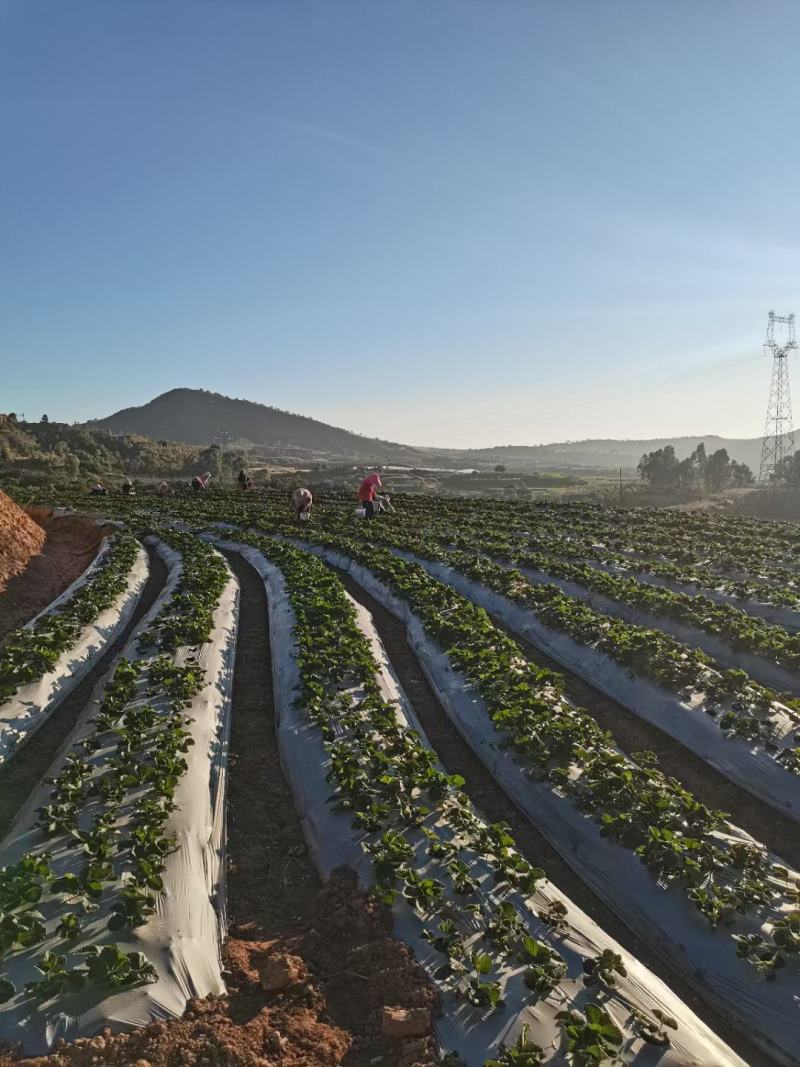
(20, 539)
(71, 544)
(296, 1026)
(333, 942)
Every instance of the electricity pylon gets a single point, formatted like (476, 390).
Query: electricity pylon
(778, 430)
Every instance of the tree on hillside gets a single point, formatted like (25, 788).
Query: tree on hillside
(692, 470)
(660, 468)
(722, 472)
(44, 418)
(741, 475)
(699, 472)
(499, 469)
(718, 470)
(788, 471)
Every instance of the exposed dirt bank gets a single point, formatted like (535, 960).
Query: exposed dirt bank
(20, 539)
(71, 543)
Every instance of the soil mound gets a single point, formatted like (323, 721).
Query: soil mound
(283, 997)
(20, 539)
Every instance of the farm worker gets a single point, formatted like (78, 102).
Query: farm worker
(200, 481)
(163, 488)
(366, 493)
(243, 480)
(301, 503)
(127, 487)
(98, 489)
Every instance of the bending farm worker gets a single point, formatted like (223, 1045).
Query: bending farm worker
(301, 503)
(367, 492)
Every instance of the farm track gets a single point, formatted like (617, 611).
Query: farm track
(491, 800)
(20, 775)
(264, 833)
(634, 734)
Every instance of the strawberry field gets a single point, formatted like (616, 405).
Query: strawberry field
(626, 682)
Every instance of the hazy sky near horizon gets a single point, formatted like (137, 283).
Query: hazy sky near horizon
(448, 223)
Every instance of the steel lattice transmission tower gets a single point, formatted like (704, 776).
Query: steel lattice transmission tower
(778, 430)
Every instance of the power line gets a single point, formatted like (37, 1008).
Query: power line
(544, 415)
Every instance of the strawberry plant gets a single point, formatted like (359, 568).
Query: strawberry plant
(69, 927)
(654, 1028)
(57, 978)
(20, 929)
(111, 968)
(605, 968)
(523, 1053)
(544, 966)
(592, 1038)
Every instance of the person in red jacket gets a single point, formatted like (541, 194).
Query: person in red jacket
(366, 493)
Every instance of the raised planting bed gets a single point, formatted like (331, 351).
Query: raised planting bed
(734, 724)
(740, 726)
(700, 890)
(562, 531)
(728, 646)
(721, 626)
(751, 598)
(768, 652)
(656, 635)
(112, 875)
(517, 964)
(44, 661)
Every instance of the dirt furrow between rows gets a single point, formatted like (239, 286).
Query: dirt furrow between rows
(458, 758)
(277, 907)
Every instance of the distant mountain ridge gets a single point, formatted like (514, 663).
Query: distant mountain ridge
(611, 453)
(198, 417)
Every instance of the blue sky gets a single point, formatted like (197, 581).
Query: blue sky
(448, 222)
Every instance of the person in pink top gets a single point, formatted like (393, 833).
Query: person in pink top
(366, 493)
